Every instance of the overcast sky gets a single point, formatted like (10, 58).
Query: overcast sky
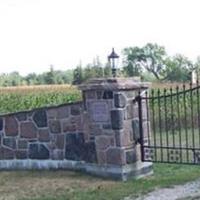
(35, 34)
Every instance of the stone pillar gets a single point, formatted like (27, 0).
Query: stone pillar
(111, 121)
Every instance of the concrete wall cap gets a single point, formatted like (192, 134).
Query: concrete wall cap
(114, 84)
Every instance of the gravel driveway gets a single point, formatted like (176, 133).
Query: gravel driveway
(189, 191)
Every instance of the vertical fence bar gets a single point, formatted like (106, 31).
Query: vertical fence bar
(139, 99)
(185, 116)
(154, 127)
(179, 122)
(148, 119)
(160, 128)
(192, 115)
(166, 123)
(172, 118)
(198, 111)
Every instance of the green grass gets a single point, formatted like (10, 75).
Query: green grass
(76, 186)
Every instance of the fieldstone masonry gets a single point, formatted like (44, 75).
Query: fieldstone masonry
(99, 135)
(114, 125)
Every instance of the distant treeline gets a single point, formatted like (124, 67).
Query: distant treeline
(50, 77)
(151, 62)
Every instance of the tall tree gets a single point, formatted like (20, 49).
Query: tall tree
(78, 75)
(50, 77)
(150, 57)
(178, 68)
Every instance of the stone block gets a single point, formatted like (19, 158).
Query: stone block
(135, 111)
(38, 151)
(99, 94)
(119, 100)
(101, 157)
(9, 142)
(117, 119)
(63, 112)
(82, 152)
(90, 94)
(78, 121)
(68, 127)
(58, 113)
(75, 109)
(130, 94)
(95, 129)
(54, 126)
(57, 155)
(108, 94)
(28, 130)
(60, 141)
(106, 126)
(40, 118)
(21, 154)
(89, 152)
(43, 135)
(115, 156)
(6, 153)
(52, 113)
(74, 146)
(136, 130)
(1, 124)
(11, 126)
(74, 139)
(128, 130)
(103, 142)
(74, 152)
(131, 157)
(129, 112)
(22, 144)
(21, 116)
(123, 139)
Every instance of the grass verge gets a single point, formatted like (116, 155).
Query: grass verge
(64, 185)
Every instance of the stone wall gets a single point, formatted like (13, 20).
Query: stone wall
(54, 133)
(99, 135)
(116, 133)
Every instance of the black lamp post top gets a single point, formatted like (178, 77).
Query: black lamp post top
(112, 57)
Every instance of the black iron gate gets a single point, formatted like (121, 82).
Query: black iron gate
(169, 123)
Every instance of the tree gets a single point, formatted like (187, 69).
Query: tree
(78, 75)
(107, 70)
(31, 79)
(197, 66)
(150, 57)
(131, 66)
(178, 68)
(50, 77)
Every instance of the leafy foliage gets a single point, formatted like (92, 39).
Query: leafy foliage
(153, 59)
(150, 57)
(50, 77)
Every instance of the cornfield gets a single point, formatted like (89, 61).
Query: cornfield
(14, 99)
(21, 98)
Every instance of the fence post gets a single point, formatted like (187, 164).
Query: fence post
(141, 141)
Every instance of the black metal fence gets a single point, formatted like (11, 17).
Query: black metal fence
(170, 125)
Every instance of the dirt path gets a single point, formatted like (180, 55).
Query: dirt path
(189, 191)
